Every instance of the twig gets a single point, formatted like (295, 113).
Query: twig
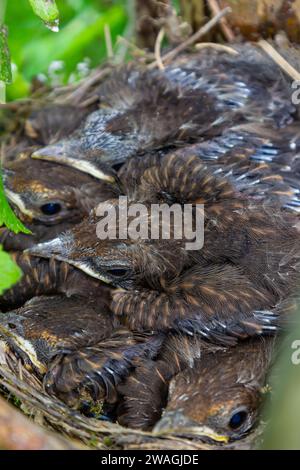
(108, 42)
(122, 47)
(130, 45)
(157, 48)
(215, 9)
(192, 39)
(89, 101)
(218, 47)
(284, 64)
(79, 92)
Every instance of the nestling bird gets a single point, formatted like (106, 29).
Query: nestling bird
(249, 260)
(49, 198)
(193, 99)
(48, 328)
(51, 122)
(221, 388)
(229, 290)
(199, 384)
(55, 323)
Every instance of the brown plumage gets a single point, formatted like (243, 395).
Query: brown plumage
(249, 260)
(233, 288)
(218, 388)
(78, 342)
(260, 162)
(32, 123)
(57, 323)
(96, 371)
(249, 263)
(49, 277)
(49, 198)
(195, 98)
(51, 122)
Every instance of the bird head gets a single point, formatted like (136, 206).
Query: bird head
(123, 263)
(94, 148)
(125, 259)
(222, 391)
(50, 194)
(45, 326)
(140, 111)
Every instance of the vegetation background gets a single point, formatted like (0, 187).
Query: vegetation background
(63, 57)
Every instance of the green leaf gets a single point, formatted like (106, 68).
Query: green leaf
(5, 67)
(83, 36)
(47, 11)
(7, 216)
(10, 273)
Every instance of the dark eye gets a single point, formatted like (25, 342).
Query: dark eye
(238, 419)
(117, 166)
(118, 272)
(51, 208)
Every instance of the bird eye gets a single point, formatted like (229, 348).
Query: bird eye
(117, 166)
(118, 272)
(51, 208)
(238, 419)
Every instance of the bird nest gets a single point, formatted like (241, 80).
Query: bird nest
(72, 430)
(69, 429)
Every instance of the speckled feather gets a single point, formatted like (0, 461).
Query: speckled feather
(193, 99)
(207, 391)
(31, 184)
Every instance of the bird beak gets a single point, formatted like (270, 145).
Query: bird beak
(11, 195)
(23, 346)
(55, 248)
(66, 153)
(61, 248)
(176, 423)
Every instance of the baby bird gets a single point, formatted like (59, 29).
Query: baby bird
(222, 389)
(49, 198)
(54, 323)
(218, 388)
(196, 98)
(249, 260)
(48, 328)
